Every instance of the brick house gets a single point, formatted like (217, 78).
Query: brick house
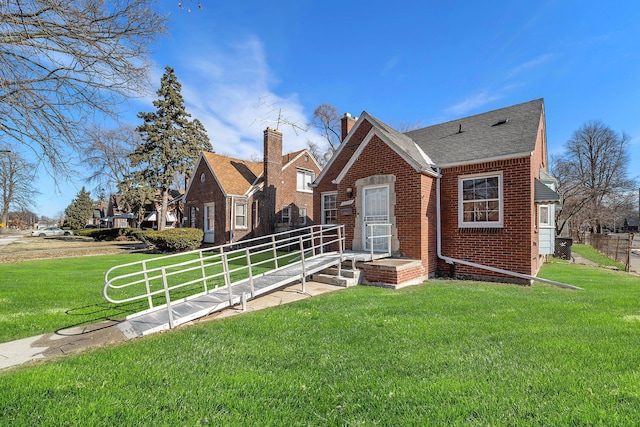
(232, 199)
(459, 196)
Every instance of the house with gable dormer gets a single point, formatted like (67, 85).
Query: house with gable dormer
(470, 198)
(232, 199)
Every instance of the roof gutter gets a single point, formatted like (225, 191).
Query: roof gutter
(450, 260)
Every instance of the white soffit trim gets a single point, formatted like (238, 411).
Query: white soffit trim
(186, 190)
(424, 155)
(373, 132)
(363, 117)
(302, 153)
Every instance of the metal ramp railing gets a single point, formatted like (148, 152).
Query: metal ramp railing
(182, 287)
(373, 240)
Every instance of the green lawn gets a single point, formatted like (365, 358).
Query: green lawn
(47, 295)
(593, 255)
(44, 296)
(441, 353)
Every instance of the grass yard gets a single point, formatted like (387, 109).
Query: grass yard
(48, 295)
(44, 296)
(592, 254)
(442, 353)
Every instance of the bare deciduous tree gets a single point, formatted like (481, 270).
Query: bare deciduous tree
(63, 61)
(16, 178)
(327, 120)
(592, 173)
(107, 152)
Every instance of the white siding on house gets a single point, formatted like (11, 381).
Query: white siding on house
(546, 237)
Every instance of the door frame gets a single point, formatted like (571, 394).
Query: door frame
(365, 241)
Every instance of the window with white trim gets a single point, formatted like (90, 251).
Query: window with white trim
(304, 179)
(209, 217)
(480, 200)
(302, 216)
(286, 215)
(329, 208)
(544, 215)
(256, 217)
(192, 217)
(241, 215)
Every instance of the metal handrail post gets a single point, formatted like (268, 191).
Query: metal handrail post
(227, 279)
(204, 274)
(313, 242)
(389, 240)
(321, 239)
(167, 297)
(250, 268)
(275, 252)
(340, 243)
(146, 283)
(370, 239)
(304, 274)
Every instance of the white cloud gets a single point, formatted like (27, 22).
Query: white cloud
(229, 89)
(472, 102)
(536, 62)
(391, 64)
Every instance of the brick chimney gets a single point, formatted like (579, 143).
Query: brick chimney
(272, 172)
(347, 123)
(272, 157)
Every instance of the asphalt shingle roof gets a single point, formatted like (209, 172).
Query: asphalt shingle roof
(481, 137)
(237, 176)
(402, 142)
(544, 194)
(234, 175)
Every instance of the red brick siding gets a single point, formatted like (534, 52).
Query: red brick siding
(334, 170)
(392, 276)
(538, 161)
(415, 207)
(509, 247)
(287, 193)
(208, 191)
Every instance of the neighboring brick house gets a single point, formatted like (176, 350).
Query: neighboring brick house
(119, 214)
(468, 190)
(174, 210)
(232, 199)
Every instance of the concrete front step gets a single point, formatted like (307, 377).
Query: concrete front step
(330, 276)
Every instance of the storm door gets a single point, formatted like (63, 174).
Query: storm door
(375, 218)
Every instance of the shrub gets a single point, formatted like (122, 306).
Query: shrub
(173, 239)
(106, 234)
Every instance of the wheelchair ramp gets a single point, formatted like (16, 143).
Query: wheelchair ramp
(198, 306)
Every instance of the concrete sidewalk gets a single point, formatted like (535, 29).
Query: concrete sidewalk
(73, 340)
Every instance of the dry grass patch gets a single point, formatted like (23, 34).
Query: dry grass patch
(32, 248)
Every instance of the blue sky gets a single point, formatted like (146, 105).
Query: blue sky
(415, 62)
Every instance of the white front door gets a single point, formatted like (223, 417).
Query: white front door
(376, 211)
(209, 223)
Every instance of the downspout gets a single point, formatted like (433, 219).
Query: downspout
(450, 260)
(232, 216)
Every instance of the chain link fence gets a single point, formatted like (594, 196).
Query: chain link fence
(615, 246)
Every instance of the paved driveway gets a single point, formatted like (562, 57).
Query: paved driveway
(6, 239)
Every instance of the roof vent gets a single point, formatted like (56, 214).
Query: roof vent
(501, 122)
(460, 128)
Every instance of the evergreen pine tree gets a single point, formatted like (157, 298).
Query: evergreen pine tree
(79, 210)
(171, 143)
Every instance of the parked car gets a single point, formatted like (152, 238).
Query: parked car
(606, 231)
(51, 231)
